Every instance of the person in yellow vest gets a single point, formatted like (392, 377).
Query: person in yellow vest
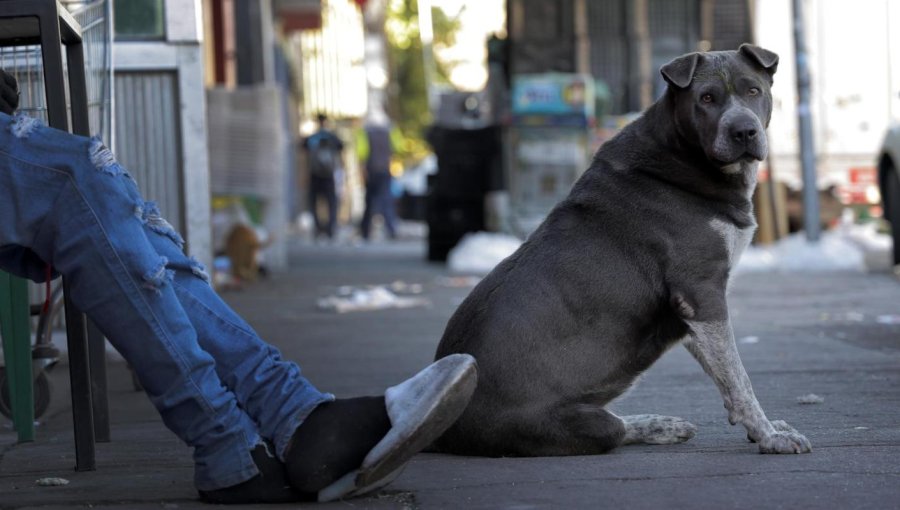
(375, 150)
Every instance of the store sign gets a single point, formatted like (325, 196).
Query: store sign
(545, 99)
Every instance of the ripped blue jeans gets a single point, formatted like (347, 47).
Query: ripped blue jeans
(64, 200)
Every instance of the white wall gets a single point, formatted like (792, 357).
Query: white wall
(182, 53)
(854, 60)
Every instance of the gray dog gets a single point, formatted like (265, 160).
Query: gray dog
(635, 260)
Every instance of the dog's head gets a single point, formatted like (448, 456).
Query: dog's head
(723, 102)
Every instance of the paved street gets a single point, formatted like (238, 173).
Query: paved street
(835, 335)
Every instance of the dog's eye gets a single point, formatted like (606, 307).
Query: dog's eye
(707, 98)
(753, 91)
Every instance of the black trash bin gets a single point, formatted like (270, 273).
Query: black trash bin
(467, 160)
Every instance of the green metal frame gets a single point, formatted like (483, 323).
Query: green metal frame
(15, 328)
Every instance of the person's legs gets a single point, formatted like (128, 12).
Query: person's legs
(331, 448)
(72, 205)
(331, 196)
(382, 201)
(366, 223)
(272, 391)
(387, 207)
(65, 200)
(314, 192)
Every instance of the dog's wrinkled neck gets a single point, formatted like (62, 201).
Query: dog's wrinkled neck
(670, 154)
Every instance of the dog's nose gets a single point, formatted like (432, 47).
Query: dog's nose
(743, 132)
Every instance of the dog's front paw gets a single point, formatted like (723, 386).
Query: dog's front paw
(785, 439)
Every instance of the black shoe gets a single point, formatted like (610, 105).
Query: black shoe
(333, 441)
(352, 447)
(269, 486)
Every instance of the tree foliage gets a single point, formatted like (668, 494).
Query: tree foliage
(408, 95)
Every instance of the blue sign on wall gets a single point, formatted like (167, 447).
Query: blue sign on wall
(553, 99)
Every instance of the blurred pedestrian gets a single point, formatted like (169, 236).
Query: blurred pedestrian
(324, 153)
(379, 196)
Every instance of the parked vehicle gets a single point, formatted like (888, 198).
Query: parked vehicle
(889, 182)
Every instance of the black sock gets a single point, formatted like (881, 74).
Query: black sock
(333, 441)
(269, 486)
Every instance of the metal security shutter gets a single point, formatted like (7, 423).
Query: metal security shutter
(543, 36)
(147, 141)
(731, 24)
(674, 29)
(607, 22)
(246, 142)
(248, 155)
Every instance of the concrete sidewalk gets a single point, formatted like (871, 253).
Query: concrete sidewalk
(833, 335)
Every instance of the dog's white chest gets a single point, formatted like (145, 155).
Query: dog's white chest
(736, 239)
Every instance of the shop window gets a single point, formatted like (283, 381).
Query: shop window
(139, 19)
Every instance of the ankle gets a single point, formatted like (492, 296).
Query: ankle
(333, 441)
(270, 485)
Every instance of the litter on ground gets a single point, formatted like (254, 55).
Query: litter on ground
(811, 398)
(51, 482)
(480, 252)
(401, 287)
(888, 319)
(355, 299)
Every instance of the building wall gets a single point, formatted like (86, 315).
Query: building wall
(622, 42)
(147, 127)
(178, 179)
(332, 70)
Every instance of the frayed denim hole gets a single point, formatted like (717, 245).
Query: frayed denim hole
(158, 276)
(151, 207)
(23, 125)
(270, 450)
(199, 269)
(103, 159)
(139, 212)
(155, 222)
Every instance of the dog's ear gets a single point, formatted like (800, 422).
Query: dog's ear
(680, 71)
(766, 59)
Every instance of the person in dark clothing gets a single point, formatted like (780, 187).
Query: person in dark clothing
(379, 199)
(324, 149)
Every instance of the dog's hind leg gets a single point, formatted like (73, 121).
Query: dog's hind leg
(656, 429)
(566, 429)
(576, 428)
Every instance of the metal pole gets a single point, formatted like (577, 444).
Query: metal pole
(804, 117)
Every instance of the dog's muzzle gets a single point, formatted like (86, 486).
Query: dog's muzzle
(740, 137)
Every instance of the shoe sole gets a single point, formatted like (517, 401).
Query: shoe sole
(420, 409)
